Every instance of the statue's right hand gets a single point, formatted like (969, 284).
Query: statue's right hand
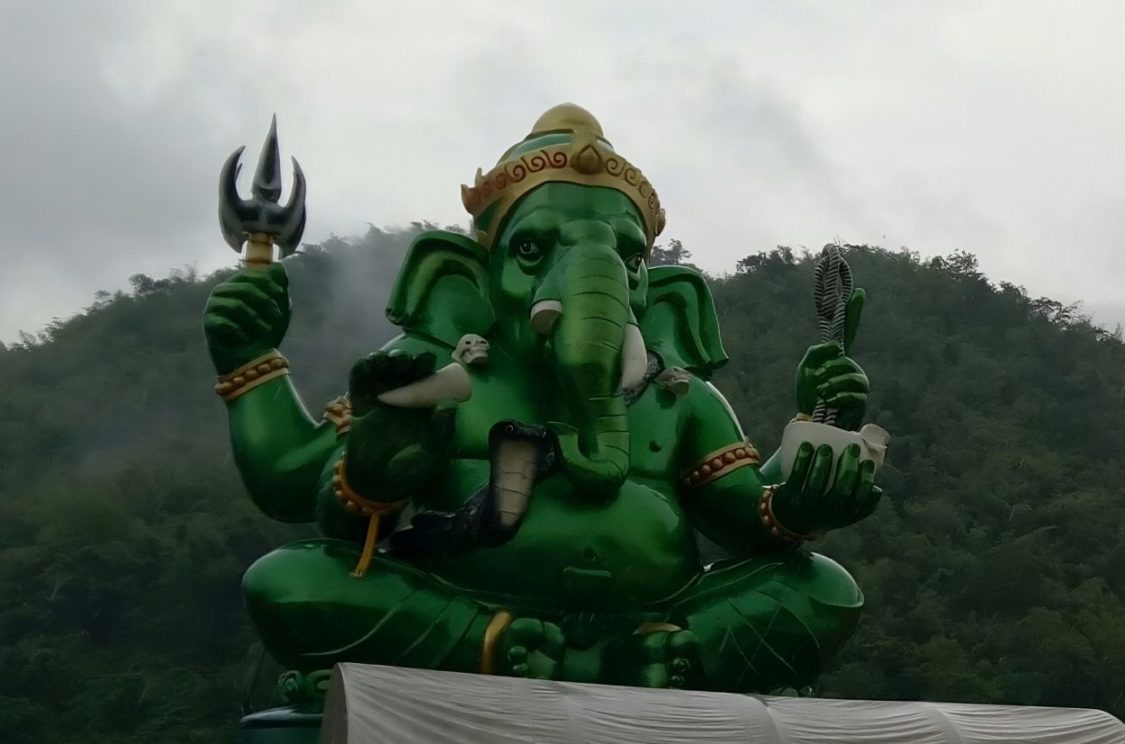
(246, 316)
(814, 499)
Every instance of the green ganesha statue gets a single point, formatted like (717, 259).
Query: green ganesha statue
(517, 483)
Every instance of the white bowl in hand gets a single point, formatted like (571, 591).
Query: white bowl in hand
(872, 440)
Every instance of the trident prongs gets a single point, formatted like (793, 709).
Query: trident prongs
(262, 221)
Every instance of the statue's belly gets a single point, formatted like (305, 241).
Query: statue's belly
(627, 550)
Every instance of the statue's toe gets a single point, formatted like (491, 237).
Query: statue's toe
(667, 658)
(535, 649)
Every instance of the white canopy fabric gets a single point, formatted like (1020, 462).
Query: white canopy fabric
(391, 705)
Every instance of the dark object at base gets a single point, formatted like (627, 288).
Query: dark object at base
(520, 455)
(289, 725)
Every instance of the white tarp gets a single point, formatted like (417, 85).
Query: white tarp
(390, 705)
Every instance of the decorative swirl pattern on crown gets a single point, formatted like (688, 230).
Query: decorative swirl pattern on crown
(592, 164)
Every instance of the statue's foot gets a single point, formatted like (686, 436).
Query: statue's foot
(532, 648)
(303, 688)
(668, 657)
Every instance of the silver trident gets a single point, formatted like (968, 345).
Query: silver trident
(261, 221)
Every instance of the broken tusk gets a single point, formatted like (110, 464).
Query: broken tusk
(675, 380)
(544, 315)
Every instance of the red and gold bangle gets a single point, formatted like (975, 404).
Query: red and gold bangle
(776, 528)
(720, 463)
(252, 374)
(358, 505)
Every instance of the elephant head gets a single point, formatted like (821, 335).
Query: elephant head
(566, 273)
(557, 279)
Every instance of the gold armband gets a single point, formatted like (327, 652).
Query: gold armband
(339, 413)
(252, 374)
(776, 528)
(720, 463)
(358, 505)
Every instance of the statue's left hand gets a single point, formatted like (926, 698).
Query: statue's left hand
(814, 499)
(825, 373)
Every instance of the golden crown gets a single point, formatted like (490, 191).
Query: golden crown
(566, 144)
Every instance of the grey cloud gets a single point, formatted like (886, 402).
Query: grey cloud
(98, 182)
(936, 127)
(767, 134)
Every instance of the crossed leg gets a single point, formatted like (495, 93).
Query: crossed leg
(757, 626)
(311, 613)
(769, 623)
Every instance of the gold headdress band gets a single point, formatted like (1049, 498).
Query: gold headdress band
(566, 144)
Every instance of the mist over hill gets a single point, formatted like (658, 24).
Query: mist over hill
(994, 569)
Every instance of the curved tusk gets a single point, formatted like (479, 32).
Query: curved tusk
(449, 382)
(634, 358)
(544, 315)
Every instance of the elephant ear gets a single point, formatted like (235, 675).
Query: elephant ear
(442, 288)
(680, 323)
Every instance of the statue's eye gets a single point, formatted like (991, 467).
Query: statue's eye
(528, 250)
(634, 262)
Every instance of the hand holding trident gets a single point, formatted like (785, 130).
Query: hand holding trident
(261, 221)
(247, 314)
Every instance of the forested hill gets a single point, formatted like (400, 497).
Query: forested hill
(994, 569)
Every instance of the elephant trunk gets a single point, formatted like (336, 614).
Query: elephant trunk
(588, 336)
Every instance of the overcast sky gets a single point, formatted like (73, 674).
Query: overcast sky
(992, 127)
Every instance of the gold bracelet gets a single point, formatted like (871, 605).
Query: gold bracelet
(355, 504)
(720, 463)
(252, 374)
(776, 528)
